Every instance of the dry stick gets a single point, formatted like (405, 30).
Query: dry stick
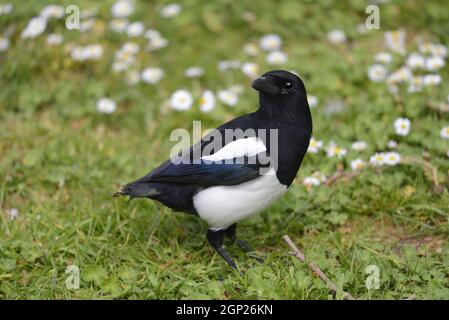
(298, 254)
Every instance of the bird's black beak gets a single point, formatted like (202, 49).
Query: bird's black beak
(263, 85)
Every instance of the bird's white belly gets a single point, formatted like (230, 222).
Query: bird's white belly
(222, 206)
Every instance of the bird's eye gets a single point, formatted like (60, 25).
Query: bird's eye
(288, 85)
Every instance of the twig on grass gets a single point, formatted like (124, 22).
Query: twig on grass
(300, 256)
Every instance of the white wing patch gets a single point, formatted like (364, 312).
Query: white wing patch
(247, 147)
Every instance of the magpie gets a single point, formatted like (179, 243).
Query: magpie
(240, 168)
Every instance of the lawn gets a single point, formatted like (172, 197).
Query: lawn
(77, 122)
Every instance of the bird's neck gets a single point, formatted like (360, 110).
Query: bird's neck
(281, 112)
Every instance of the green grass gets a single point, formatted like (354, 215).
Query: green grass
(61, 160)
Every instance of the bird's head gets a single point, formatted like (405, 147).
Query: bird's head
(279, 83)
(282, 95)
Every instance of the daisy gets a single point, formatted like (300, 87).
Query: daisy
(52, 11)
(135, 29)
(332, 150)
(392, 144)
(270, 42)
(314, 145)
(392, 158)
(377, 72)
(311, 181)
(237, 88)
(439, 50)
(118, 25)
(415, 84)
(133, 78)
(157, 43)
(434, 63)
(312, 100)
(4, 44)
(402, 126)
(170, 10)
(336, 36)
(276, 58)
(122, 9)
(105, 105)
(87, 25)
(181, 100)
(228, 64)
(5, 9)
(35, 27)
(151, 34)
(250, 69)
(251, 49)
(377, 160)
(152, 75)
(395, 41)
(130, 47)
(403, 74)
(383, 57)
(228, 97)
(13, 213)
(431, 79)
(359, 146)
(444, 133)
(207, 101)
(357, 164)
(194, 72)
(54, 39)
(415, 61)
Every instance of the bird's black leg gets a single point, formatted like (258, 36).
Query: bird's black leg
(231, 233)
(215, 239)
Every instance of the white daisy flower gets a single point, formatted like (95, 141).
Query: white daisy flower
(228, 64)
(171, 10)
(415, 84)
(391, 158)
(194, 72)
(276, 58)
(54, 39)
(336, 36)
(151, 34)
(434, 63)
(251, 49)
(444, 133)
(119, 66)
(402, 126)
(122, 9)
(311, 181)
(135, 29)
(52, 11)
(377, 72)
(357, 164)
(431, 79)
(131, 47)
(4, 44)
(181, 100)
(395, 41)
(250, 69)
(105, 105)
(157, 43)
(377, 160)
(207, 101)
(359, 145)
(35, 27)
(87, 24)
(152, 75)
(315, 145)
(228, 97)
(13, 213)
(383, 57)
(392, 144)
(332, 150)
(118, 25)
(415, 61)
(312, 100)
(403, 74)
(5, 9)
(439, 50)
(270, 42)
(91, 52)
(133, 78)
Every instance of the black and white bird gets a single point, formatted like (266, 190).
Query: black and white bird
(224, 180)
